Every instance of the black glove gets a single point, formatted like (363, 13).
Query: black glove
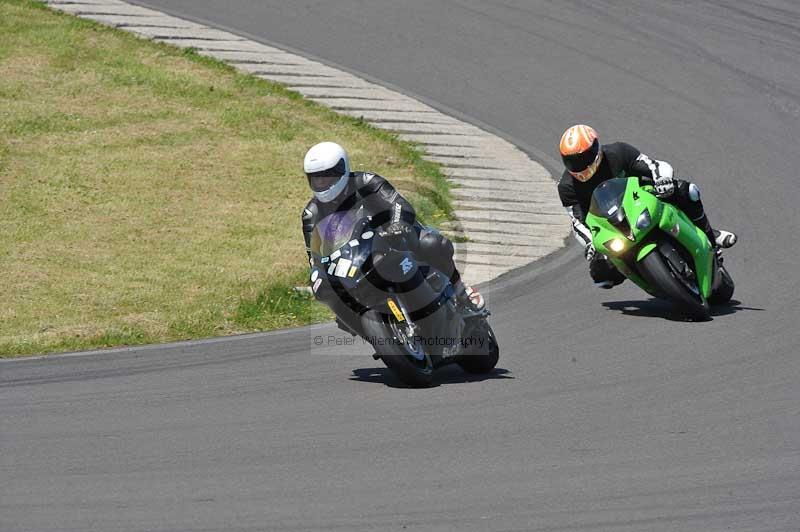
(396, 233)
(395, 229)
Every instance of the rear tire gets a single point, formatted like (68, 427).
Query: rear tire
(484, 361)
(396, 354)
(656, 272)
(724, 291)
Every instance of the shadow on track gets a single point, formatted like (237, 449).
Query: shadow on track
(658, 308)
(446, 375)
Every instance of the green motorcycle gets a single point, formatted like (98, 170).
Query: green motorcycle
(657, 246)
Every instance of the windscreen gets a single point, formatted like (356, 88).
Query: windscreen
(607, 198)
(332, 232)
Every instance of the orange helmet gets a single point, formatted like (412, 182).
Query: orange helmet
(580, 151)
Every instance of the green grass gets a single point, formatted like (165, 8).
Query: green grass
(151, 194)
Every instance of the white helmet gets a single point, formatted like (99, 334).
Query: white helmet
(327, 167)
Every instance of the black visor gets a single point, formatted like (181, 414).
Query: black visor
(580, 161)
(325, 179)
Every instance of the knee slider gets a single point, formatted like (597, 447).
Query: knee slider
(694, 192)
(434, 243)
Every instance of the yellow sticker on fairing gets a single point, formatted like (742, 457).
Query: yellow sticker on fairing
(352, 271)
(395, 310)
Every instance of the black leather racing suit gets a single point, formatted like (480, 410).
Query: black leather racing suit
(379, 199)
(622, 160)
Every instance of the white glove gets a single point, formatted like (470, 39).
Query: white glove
(663, 180)
(589, 252)
(664, 186)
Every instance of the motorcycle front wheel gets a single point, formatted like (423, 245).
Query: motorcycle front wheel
(398, 349)
(657, 273)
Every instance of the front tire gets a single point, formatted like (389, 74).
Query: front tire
(659, 275)
(399, 353)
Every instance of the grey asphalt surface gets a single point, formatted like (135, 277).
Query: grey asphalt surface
(609, 413)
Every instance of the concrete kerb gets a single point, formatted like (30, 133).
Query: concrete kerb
(507, 208)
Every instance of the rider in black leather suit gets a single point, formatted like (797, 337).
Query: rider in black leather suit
(336, 188)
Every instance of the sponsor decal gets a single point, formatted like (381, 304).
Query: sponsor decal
(353, 243)
(367, 235)
(331, 268)
(395, 310)
(352, 271)
(316, 285)
(342, 266)
(406, 265)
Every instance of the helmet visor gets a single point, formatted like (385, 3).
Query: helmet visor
(578, 162)
(325, 179)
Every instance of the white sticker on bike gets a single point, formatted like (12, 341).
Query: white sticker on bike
(342, 267)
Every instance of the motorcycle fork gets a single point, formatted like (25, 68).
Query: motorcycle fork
(412, 327)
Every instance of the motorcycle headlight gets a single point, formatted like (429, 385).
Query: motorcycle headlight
(616, 245)
(644, 220)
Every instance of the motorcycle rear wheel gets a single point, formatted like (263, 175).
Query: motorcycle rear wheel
(484, 361)
(724, 291)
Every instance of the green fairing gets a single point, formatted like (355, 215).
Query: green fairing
(664, 219)
(644, 250)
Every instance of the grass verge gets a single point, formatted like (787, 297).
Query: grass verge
(149, 194)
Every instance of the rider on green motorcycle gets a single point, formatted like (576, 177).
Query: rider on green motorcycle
(588, 164)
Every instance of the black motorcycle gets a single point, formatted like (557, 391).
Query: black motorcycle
(405, 309)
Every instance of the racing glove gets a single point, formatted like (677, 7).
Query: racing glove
(661, 172)
(589, 252)
(664, 186)
(663, 180)
(400, 235)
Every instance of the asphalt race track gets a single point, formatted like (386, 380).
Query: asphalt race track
(609, 413)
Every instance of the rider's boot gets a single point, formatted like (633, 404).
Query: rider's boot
(468, 296)
(724, 239)
(688, 199)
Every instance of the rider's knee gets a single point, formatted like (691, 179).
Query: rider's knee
(432, 244)
(687, 195)
(693, 192)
